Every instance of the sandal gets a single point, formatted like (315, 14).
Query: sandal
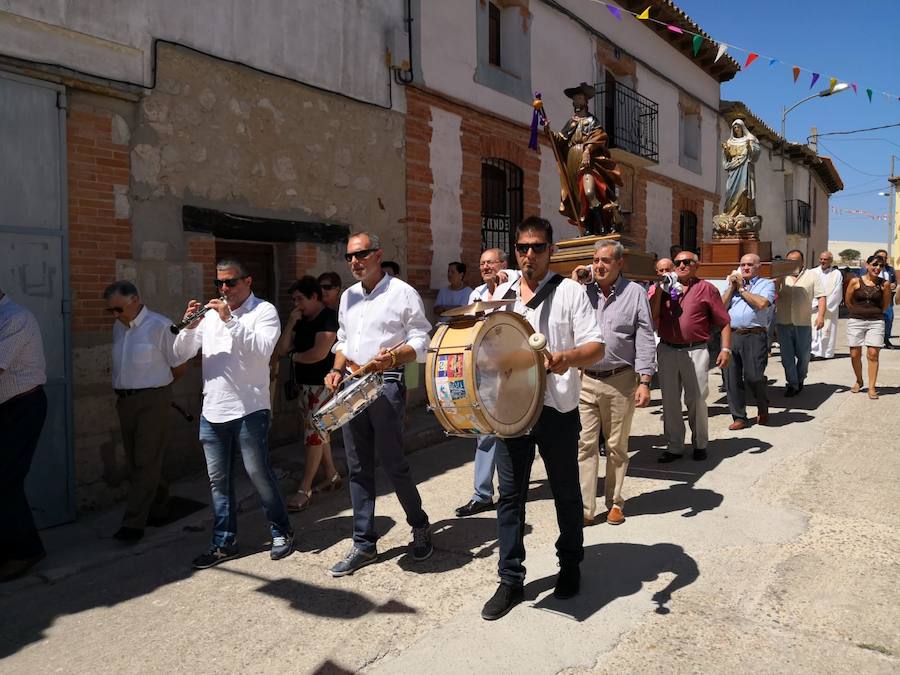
(329, 484)
(295, 505)
(856, 387)
(873, 394)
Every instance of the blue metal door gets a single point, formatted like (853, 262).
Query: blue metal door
(34, 268)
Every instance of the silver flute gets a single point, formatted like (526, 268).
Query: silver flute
(176, 328)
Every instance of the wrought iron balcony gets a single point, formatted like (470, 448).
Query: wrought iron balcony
(630, 120)
(797, 217)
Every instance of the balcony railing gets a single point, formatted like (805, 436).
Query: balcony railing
(630, 120)
(797, 217)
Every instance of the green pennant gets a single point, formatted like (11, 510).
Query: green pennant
(869, 94)
(698, 42)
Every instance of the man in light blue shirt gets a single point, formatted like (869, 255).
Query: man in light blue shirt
(750, 300)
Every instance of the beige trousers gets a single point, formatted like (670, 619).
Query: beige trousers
(606, 406)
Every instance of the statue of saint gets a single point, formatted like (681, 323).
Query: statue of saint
(589, 175)
(739, 153)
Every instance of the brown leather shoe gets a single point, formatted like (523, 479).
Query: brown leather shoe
(737, 425)
(763, 417)
(615, 516)
(588, 521)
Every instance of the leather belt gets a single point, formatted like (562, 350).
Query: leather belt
(123, 393)
(686, 345)
(746, 331)
(603, 374)
(24, 394)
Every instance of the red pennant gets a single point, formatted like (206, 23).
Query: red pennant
(750, 59)
(796, 73)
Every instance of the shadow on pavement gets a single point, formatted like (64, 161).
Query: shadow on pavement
(676, 497)
(322, 534)
(612, 571)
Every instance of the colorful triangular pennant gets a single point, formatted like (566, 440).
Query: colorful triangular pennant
(645, 15)
(698, 42)
(750, 59)
(674, 29)
(615, 11)
(815, 78)
(832, 81)
(772, 62)
(869, 93)
(853, 84)
(721, 51)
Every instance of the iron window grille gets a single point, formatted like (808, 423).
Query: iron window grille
(501, 204)
(797, 217)
(630, 120)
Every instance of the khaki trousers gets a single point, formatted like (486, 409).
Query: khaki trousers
(606, 406)
(684, 370)
(144, 418)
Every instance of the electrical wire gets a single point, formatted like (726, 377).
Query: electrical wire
(843, 161)
(855, 131)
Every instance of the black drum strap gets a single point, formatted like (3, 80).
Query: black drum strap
(541, 295)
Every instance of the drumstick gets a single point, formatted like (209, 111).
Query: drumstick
(365, 368)
(538, 342)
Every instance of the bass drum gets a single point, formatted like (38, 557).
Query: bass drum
(483, 378)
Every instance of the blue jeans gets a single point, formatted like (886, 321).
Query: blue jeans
(485, 464)
(796, 348)
(888, 323)
(248, 435)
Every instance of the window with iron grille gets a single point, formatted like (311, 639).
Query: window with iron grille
(687, 231)
(797, 217)
(501, 204)
(629, 119)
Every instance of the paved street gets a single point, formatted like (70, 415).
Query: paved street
(778, 554)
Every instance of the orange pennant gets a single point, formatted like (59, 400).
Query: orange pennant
(796, 73)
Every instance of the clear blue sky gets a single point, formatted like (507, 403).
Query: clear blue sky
(852, 41)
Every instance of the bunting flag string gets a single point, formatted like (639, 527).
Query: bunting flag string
(858, 212)
(721, 49)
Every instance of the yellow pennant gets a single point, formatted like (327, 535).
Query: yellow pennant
(831, 83)
(645, 15)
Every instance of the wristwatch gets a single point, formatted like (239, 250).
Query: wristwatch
(643, 381)
(336, 370)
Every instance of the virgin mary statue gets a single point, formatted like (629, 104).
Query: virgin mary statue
(739, 153)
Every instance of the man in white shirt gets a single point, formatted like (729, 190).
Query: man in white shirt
(237, 337)
(492, 264)
(825, 339)
(23, 409)
(142, 365)
(457, 293)
(381, 319)
(560, 309)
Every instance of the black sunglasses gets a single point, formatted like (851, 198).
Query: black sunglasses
(684, 262)
(326, 287)
(522, 249)
(877, 264)
(115, 310)
(359, 255)
(231, 283)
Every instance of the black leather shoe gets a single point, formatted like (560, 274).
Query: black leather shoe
(504, 600)
(129, 534)
(568, 582)
(699, 454)
(790, 390)
(667, 457)
(473, 507)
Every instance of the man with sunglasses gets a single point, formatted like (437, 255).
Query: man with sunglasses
(684, 317)
(237, 338)
(560, 310)
(381, 319)
(143, 369)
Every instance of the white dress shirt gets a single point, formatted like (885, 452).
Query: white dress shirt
(391, 314)
(570, 323)
(142, 355)
(21, 351)
(482, 292)
(235, 358)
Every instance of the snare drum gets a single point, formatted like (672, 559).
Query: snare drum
(349, 402)
(483, 378)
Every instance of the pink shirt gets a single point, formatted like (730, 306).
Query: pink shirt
(689, 319)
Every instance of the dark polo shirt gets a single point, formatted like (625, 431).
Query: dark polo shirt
(689, 319)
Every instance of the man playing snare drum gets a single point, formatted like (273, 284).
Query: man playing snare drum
(560, 310)
(381, 318)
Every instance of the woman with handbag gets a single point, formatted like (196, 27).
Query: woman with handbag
(308, 336)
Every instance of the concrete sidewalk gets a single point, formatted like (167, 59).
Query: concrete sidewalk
(779, 553)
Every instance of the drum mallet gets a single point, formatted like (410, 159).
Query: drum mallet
(538, 342)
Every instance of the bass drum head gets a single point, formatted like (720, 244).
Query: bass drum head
(509, 374)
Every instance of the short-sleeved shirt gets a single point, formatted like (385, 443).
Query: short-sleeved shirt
(447, 297)
(21, 350)
(795, 298)
(690, 318)
(743, 314)
(305, 332)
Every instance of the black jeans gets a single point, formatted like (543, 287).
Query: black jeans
(378, 430)
(556, 435)
(21, 419)
(749, 355)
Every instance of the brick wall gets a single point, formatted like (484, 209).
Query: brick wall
(684, 198)
(99, 232)
(482, 136)
(294, 261)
